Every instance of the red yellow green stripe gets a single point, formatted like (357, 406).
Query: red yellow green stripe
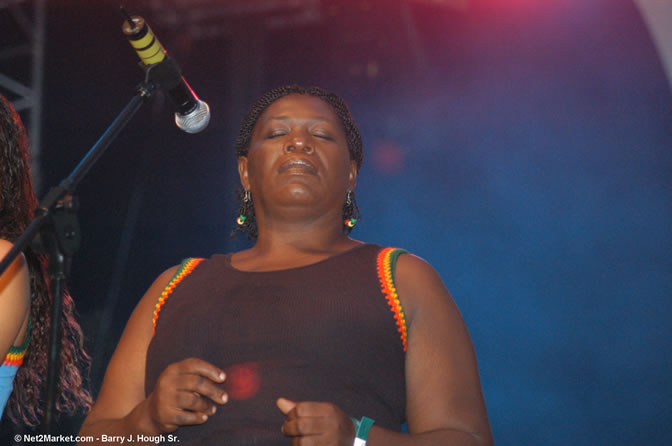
(385, 267)
(184, 270)
(14, 359)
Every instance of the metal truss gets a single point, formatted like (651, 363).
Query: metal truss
(22, 42)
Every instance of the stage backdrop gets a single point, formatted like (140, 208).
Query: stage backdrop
(521, 147)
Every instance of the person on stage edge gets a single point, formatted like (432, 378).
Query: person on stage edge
(307, 338)
(25, 299)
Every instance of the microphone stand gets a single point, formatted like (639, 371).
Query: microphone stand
(56, 222)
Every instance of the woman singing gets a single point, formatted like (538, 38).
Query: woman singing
(309, 337)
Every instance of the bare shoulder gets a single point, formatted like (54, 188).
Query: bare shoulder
(160, 282)
(146, 305)
(16, 272)
(415, 271)
(138, 331)
(5, 246)
(420, 286)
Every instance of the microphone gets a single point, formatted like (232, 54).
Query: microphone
(192, 115)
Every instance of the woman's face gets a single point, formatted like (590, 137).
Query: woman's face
(299, 156)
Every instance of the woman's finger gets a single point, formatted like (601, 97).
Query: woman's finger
(203, 386)
(197, 366)
(194, 402)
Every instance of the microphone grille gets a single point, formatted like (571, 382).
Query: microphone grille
(196, 120)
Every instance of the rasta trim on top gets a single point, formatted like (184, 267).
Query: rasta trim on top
(385, 265)
(185, 268)
(387, 258)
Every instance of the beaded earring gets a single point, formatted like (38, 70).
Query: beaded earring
(246, 221)
(244, 208)
(350, 212)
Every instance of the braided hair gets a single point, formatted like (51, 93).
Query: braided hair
(350, 210)
(17, 205)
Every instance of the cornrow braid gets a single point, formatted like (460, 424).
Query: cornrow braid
(350, 128)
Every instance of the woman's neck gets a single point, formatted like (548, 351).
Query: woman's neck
(282, 250)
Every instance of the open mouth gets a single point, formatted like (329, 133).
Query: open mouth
(298, 166)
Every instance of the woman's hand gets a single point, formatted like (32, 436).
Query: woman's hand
(185, 394)
(310, 423)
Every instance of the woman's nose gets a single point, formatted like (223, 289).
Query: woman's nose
(299, 144)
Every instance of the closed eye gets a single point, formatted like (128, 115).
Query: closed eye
(276, 134)
(323, 136)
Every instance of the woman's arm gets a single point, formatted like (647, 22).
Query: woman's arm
(444, 401)
(14, 301)
(121, 407)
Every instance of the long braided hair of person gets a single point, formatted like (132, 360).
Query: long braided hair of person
(354, 138)
(17, 206)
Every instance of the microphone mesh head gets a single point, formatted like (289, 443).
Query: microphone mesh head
(196, 120)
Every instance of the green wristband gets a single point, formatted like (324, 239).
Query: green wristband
(362, 428)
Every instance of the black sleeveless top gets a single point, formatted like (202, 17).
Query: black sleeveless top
(331, 332)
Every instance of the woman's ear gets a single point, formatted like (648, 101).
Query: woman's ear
(352, 176)
(242, 172)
